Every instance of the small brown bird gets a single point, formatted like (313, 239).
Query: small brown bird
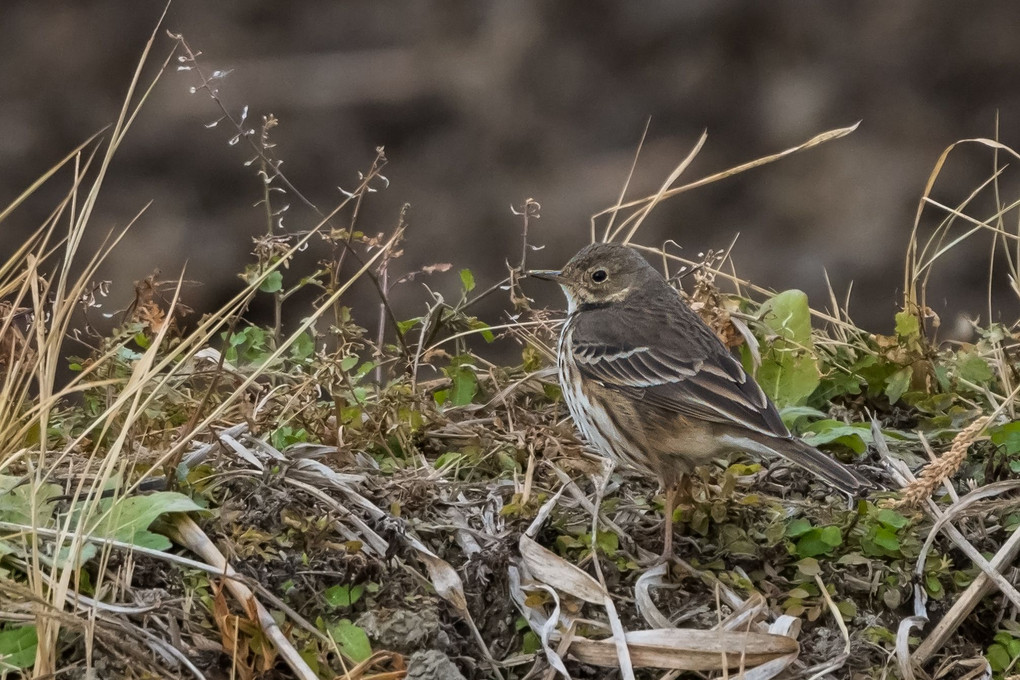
(649, 384)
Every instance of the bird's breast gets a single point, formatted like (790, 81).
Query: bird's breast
(596, 410)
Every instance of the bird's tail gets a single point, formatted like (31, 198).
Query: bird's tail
(837, 474)
(811, 459)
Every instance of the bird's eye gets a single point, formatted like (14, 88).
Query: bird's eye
(599, 275)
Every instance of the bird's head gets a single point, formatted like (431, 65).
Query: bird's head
(602, 273)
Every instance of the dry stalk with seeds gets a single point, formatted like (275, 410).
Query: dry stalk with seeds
(938, 471)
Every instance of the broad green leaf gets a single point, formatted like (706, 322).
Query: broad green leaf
(789, 370)
(973, 368)
(286, 435)
(127, 519)
(798, 527)
(898, 383)
(531, 643)
(16, 501)
(907, 325)
(303, 347)
(885, 538)
(856, 437)
(809, 566)
(811, 544)
(831, 536)
(792, 413)
(532, 358)
(998, 658)
(343, 595)
(351, 640)
(465, 385)
(483, 328)
(608, 542)
(17, 647)
(892, 519)
(467, 279)
(273, 283)
(405, 326)
(1007, 435)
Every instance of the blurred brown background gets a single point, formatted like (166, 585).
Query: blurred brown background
(481, 104)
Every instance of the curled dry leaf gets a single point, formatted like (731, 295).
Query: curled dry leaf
(689, 650)
(653, 578)
(550, 568)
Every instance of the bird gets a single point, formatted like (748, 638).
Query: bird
(650, 385)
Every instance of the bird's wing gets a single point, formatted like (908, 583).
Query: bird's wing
(671, 360)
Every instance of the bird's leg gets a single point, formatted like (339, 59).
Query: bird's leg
(667, 544)
(681, 487)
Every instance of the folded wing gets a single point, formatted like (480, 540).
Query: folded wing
(673, 362)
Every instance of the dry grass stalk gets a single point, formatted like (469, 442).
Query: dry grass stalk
(938, 471)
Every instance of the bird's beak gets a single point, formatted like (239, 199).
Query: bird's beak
(547, 274)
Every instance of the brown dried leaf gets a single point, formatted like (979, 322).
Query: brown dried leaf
(688, 649)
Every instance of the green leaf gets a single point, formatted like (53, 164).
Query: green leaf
(302, 347)
(907, 325)
(239, 338)
(531, 643)
(343, 596)
(812, 545)
(404, 326)
(973, 368)
(273, 283)
(17, 646)
(898, 383)
(809, 566)
(363, 370)
(608, 542)
(791, 414)
(467, 279)
(798, 527)
(847, 608)
(789, 370)
(483, 328)
(18, 506)
(465, 385)
(886, 539)
(998, 658)
(831, 536)
(286, 435)
(128, 518)
(856, 436)
(532, 358)
(892, 519)
(352, 640)
(1007, 435)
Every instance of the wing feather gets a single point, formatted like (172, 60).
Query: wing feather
(672, 362)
